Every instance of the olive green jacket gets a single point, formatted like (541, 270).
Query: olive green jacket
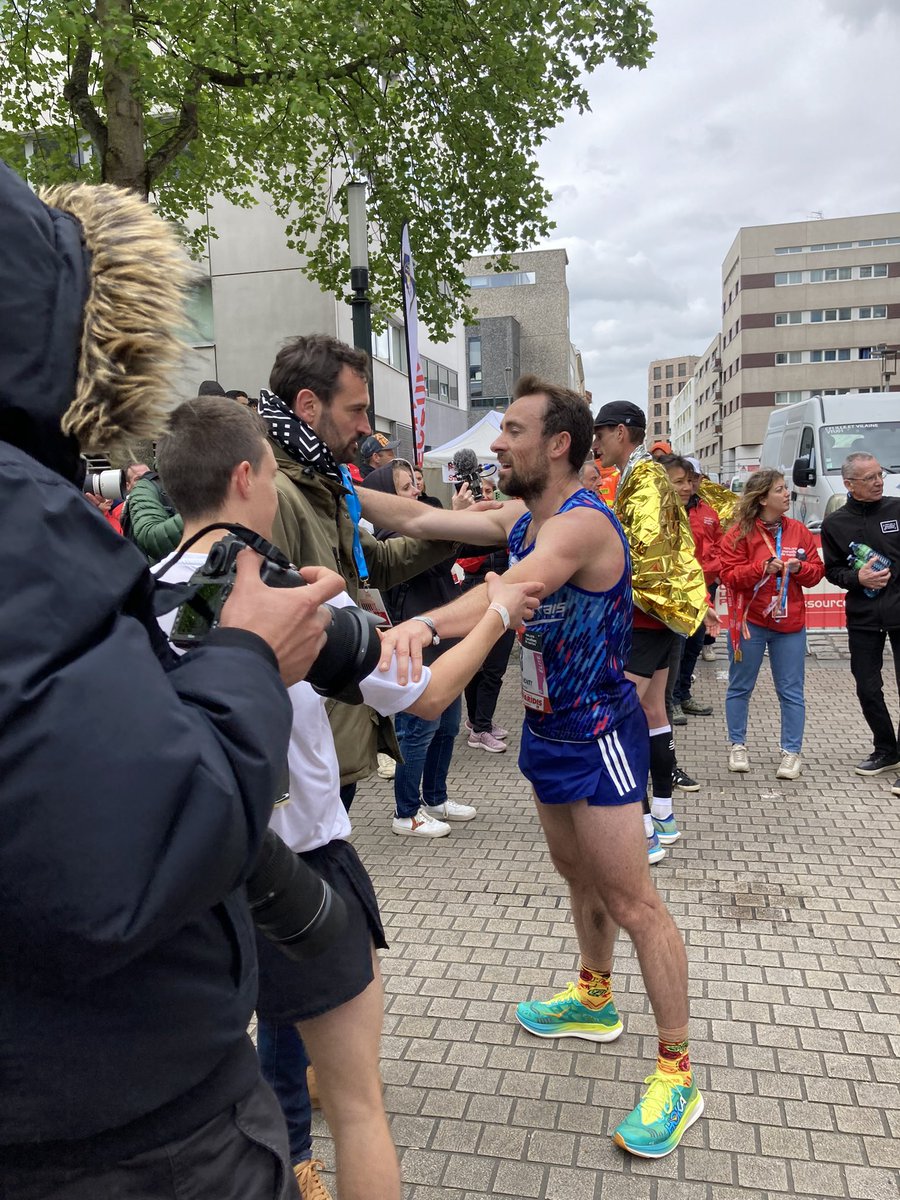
(314, 529)
(153, 527)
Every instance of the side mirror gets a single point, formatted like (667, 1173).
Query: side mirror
(804, 472)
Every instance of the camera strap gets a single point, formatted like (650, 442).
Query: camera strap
(355, 509)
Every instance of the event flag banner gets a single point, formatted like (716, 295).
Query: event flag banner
(411, 324)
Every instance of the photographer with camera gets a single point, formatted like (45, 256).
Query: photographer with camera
(137, 787)
(219, 468)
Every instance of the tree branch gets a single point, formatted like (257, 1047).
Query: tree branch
(241, 78)
(78, 97)
(183, 133)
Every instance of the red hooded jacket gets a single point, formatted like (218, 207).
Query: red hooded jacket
(743, 563)
(707, 531)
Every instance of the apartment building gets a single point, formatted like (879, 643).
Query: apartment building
(522, 327)
(665, 379)
(807, 309)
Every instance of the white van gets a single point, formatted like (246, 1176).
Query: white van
(809, 441)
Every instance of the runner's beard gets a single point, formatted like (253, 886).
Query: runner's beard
(526, 486)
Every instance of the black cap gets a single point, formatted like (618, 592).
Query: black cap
(621, 412)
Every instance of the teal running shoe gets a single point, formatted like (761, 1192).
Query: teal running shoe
(655, 849)
(566, 1016)
(665, 1112)
(666, 829)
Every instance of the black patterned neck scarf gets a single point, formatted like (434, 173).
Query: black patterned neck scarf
(296, 438)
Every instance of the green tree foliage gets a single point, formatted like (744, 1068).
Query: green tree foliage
(440, 104)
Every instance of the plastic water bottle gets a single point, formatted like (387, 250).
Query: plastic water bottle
(861, 554)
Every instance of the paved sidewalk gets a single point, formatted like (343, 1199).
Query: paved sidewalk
(788, 899)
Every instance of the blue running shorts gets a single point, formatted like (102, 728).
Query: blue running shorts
(611, 770)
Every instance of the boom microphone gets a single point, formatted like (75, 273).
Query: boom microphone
(468, 469)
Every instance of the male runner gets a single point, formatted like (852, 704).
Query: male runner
(584, 745)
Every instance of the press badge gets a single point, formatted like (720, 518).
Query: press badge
(370, 600)
(535, 693)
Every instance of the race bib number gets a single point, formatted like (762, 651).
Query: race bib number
(370, 599)
(535, 693)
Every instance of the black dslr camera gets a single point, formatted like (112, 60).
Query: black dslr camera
(291, 905)
(352, 646)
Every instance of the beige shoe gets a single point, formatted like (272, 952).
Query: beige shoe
(312, 1087)
(386, 766)
(738, 759)
(790, 766)
(311, 1186)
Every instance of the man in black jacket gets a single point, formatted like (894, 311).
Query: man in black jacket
(871, 519)
(136, 787)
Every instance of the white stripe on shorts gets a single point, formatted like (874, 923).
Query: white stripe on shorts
(612, 766)
(623, 759)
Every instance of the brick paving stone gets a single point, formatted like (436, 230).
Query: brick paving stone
(795, 977)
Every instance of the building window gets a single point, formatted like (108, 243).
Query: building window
(821, 247)
(440, 382)
(670, 371)
(474, 355)
(669, 389)
(788, 358)
(657, 427)
(657, 372)
(657, 410)
(501, 279)
(784, 278)
(682, 368)
(390, 347)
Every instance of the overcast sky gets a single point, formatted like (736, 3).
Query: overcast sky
(746, 115)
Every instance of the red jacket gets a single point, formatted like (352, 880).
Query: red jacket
(707, 533)
(743, 562)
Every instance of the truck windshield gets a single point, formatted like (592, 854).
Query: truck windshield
(881, 439)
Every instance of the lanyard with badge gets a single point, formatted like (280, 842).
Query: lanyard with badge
(369, 598)
(777, 606)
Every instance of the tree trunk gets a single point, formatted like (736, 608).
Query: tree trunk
(125, 160)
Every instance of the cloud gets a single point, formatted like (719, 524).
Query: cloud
(763, 117)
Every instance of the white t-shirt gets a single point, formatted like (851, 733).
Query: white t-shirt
(313, 815)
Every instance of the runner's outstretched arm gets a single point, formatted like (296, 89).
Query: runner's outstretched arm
(562, 547)
(483, 528)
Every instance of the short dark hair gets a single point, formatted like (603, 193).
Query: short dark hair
(566, 412)
(210, 387)
(679, 462)
(205, 441)
(235, 392)
(315, 361)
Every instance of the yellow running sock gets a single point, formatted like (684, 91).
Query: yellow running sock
(594, 987)
(674, 1059)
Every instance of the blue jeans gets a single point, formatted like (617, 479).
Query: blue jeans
(787, 657)
(283, 1063)
(427, 747)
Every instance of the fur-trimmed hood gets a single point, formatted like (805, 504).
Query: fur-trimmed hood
(92, 289)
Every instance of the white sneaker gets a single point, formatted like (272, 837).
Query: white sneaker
(450, 811)
(421, 825)
(708, 654)
(386, 766)
(487, 741)
(738, 759)
(790, 766)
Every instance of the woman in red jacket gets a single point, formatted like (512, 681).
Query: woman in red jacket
(767, 559)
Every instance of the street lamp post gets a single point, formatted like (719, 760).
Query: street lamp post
(359, 278)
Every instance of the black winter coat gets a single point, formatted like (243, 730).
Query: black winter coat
(135, 787)
(876, 525)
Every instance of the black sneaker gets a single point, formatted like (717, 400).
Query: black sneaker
(681, 779)
(878, 764)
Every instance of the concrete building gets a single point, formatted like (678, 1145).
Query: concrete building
(681, 419)
(707, 431)
(257, 296)
(665, 379)
(522, 327)
(806, 308)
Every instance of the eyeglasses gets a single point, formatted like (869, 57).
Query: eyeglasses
(867, 478)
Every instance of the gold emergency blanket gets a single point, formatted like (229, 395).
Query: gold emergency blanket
(667, 581)
(720, 498)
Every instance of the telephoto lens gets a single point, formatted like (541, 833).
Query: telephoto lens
(105, 485)
(291, 905)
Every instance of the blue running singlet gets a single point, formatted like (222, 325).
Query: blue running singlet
(575, 648)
